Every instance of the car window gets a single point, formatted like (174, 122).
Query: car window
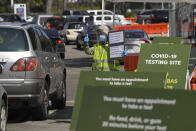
(11, 18)
(99, 12)
(92, 13)
(32, 37)
(56, 22)
(134, 35)
(99, 18)
(76, 25)
(45, 41)
(76, 13)
(107, 13)
(66, 12)
(162, 12)
(13, 40)
(107, 18)
(147, 13)
(35, 19)
(83, 12)
(43, 21)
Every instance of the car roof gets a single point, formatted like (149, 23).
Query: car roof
(16, 24)
(11, 23)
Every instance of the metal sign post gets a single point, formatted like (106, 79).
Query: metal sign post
(103, 5)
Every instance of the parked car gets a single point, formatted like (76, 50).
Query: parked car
(75, 13)
(32, 72)
(57, 22)
(3, 108)
(99, 12)
(91, 30)
(153, 16)
(10, 17)
(122, 20)
(134, 39)
(58, 42)
(107, 20)
(71, 30)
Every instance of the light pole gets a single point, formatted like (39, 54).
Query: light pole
(12, 5)
(103, 7)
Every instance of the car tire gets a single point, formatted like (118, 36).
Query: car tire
(148, 21)
(3, 117)
(41, 112)
(60, 102)
(78, 45)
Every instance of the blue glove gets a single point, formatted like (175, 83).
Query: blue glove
(125, 53)
(86, 39)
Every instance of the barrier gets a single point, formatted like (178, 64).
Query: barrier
(130, 62)
(149, 28)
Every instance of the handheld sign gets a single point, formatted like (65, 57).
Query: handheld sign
(136, 109)
(116, 44)
(172, 59)
(114, 80)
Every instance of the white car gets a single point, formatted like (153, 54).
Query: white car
(71, 30)
(107, 20)
(99, 12)
(122, 20)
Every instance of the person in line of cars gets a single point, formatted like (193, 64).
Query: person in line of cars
(100, 50)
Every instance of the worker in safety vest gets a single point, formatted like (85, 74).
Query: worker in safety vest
(100, 52)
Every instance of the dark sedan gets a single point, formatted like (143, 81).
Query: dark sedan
(58, 42)
(91, 30)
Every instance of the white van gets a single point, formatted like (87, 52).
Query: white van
(107, 20)
(99, 12)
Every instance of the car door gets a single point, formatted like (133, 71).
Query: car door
(56, 68)
(46, 57)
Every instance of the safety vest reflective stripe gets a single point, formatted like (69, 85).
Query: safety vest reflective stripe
(101, 61)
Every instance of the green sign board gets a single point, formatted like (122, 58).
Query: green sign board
(167, 40)
(137, 109)
(172, 59)
(114, 80)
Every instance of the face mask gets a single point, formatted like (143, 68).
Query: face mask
(102, 38)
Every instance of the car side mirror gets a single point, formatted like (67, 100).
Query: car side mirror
(60, 48)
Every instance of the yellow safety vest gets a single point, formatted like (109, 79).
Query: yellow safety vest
(101, 62)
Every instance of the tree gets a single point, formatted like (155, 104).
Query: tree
(48, 6)
(5, 6)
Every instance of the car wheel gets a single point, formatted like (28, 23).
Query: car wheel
(41, 112)
(147, 21)
(60, 102)
(3, 119)
(78, 45)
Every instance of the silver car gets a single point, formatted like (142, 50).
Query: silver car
(32, 71)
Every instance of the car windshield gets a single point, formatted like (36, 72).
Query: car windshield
(43, 21)
(134, 35)
(12, 40)
(57, 23)
(10, 18)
